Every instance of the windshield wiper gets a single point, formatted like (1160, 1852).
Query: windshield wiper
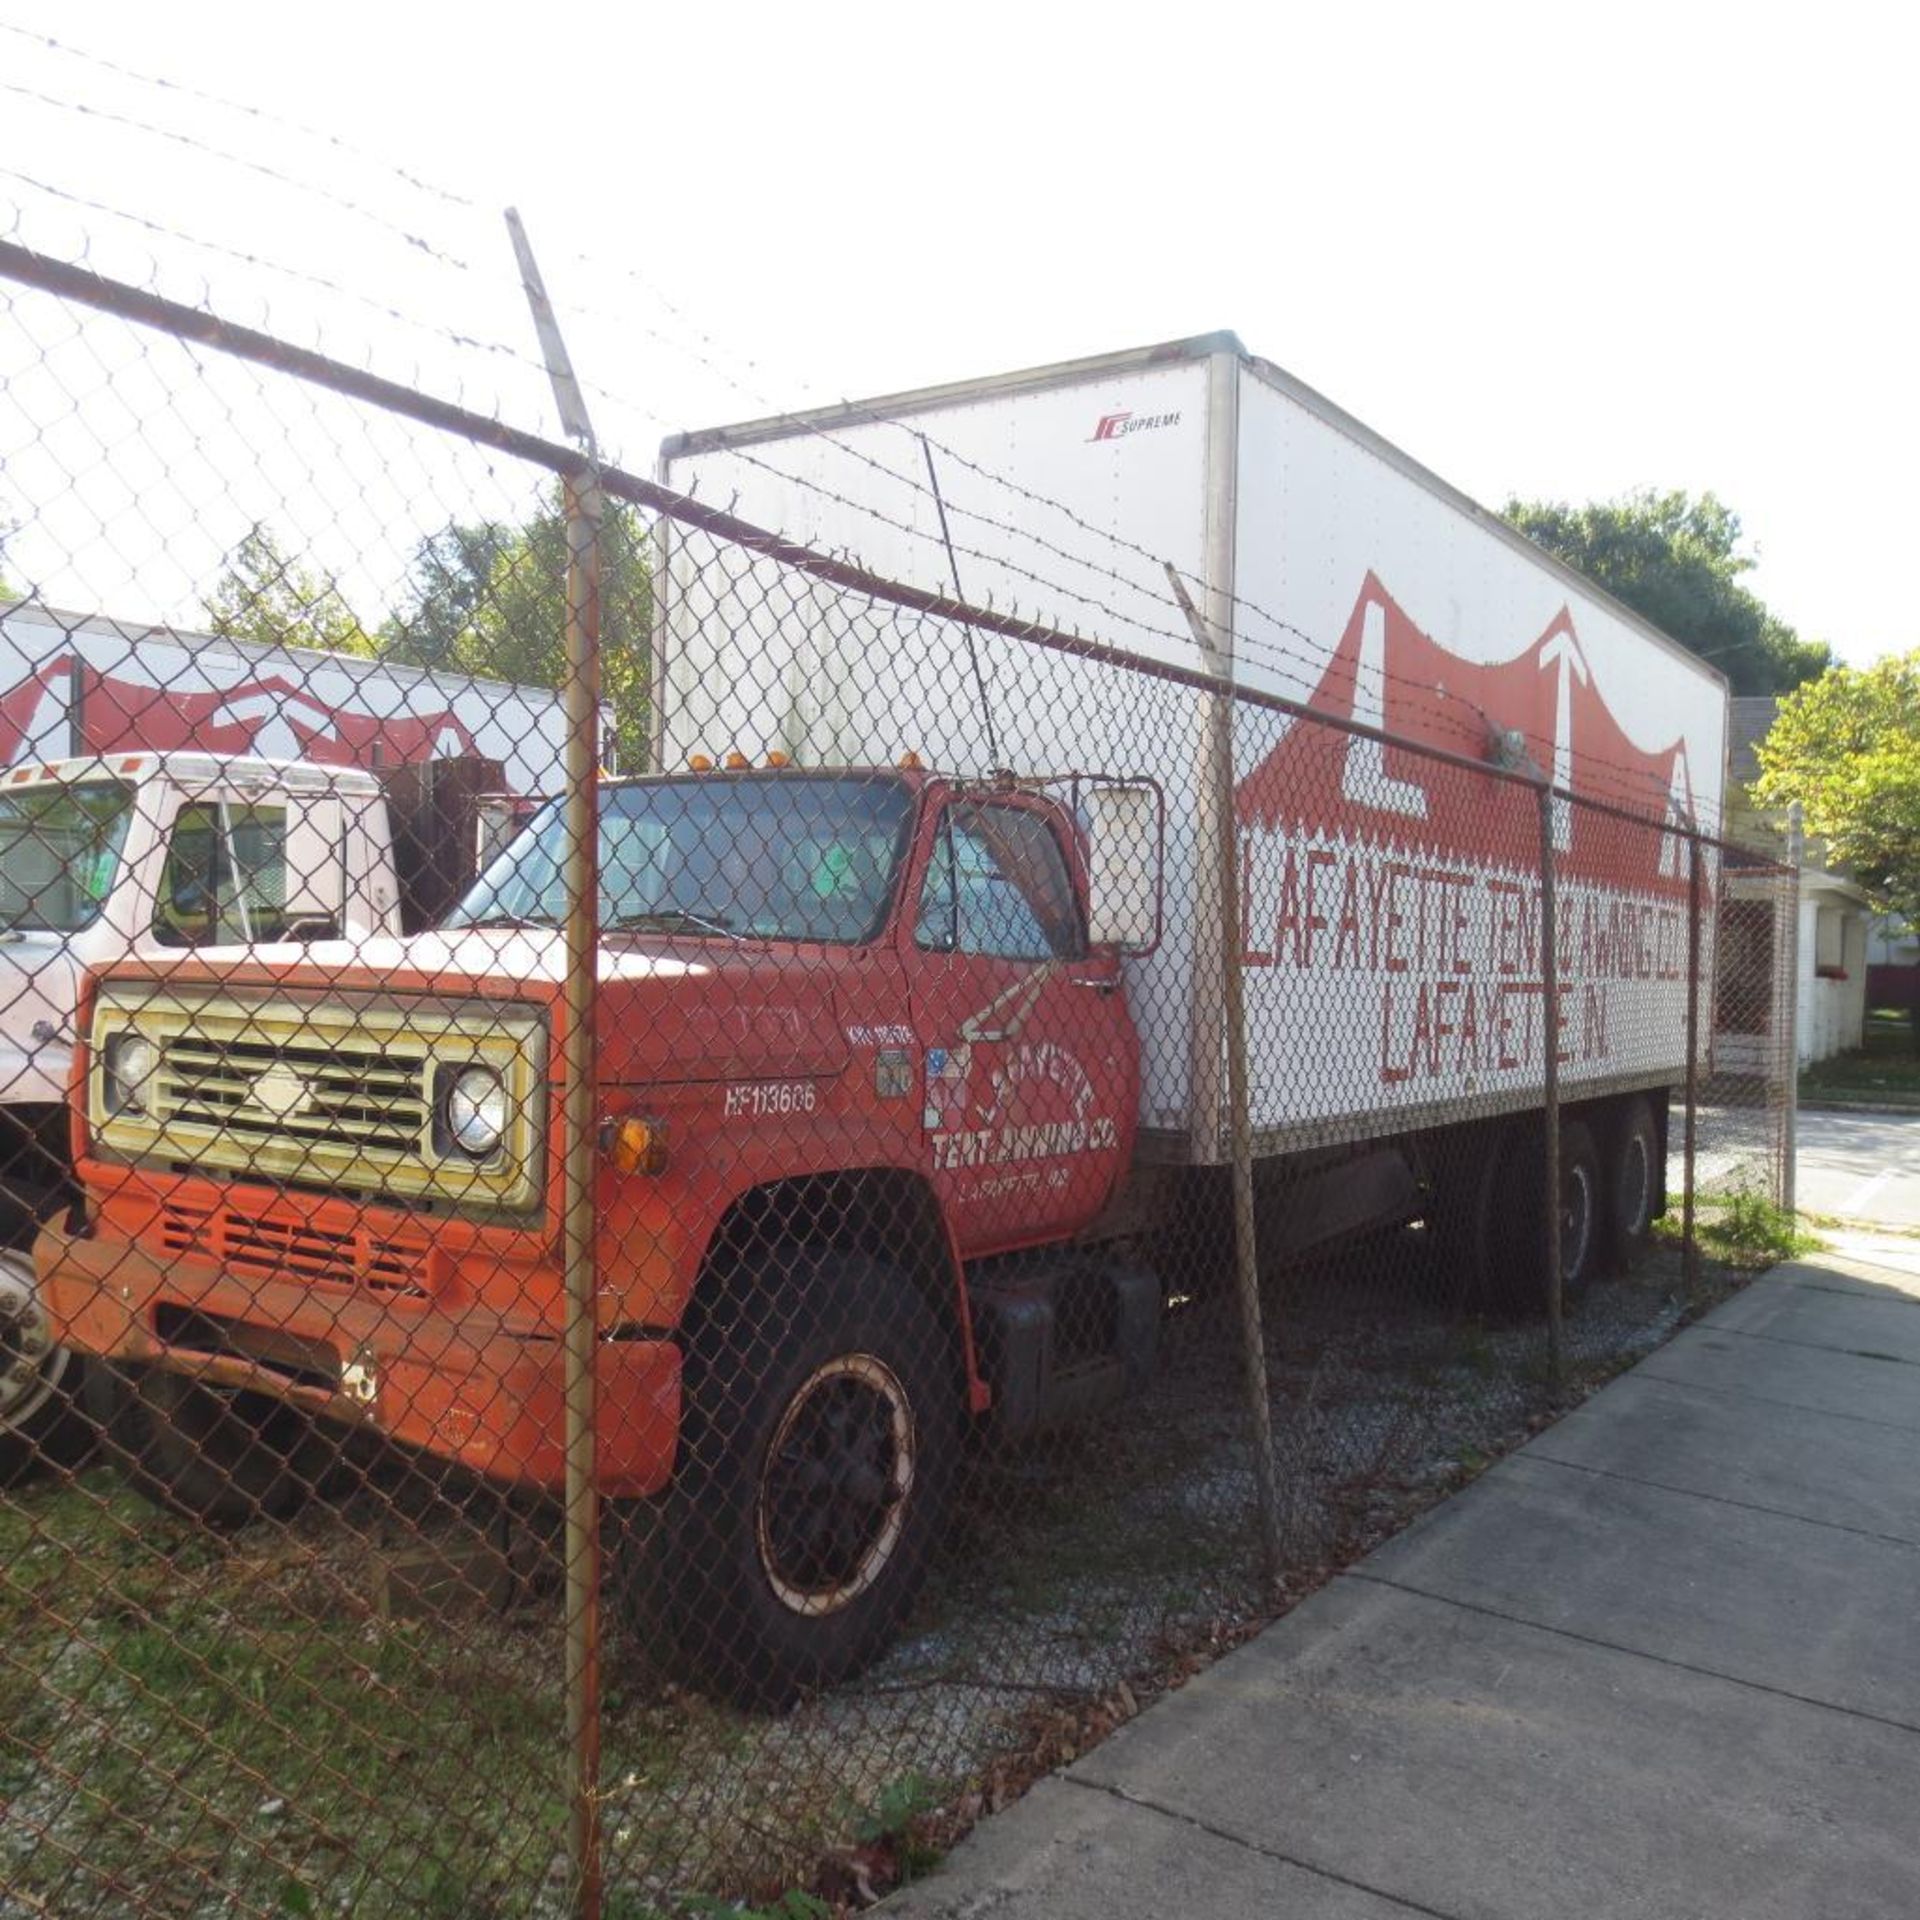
(514, 922)
(663, 919)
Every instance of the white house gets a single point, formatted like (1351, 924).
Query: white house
(1835, 914)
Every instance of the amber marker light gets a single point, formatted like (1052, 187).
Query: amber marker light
(699, 763)
(910, 762)
(634, 1145)
(778, 759)
(737, 761)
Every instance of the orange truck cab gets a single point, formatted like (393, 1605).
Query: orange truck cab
(865, 1070)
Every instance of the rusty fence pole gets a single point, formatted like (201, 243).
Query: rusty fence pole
(1550, 1115)
(1246, 1264)
(584, 520)
(1787, 1001)
(1689, 1242)
(585, 512)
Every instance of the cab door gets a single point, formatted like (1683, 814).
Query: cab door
(1031, 1067)
(246, 869)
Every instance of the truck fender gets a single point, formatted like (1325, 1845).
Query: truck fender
(889, 1214)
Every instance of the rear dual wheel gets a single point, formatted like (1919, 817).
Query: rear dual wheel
(1493, 1223)
(1635, 1190)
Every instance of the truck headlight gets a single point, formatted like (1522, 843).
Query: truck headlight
(473, 1110)
(133, 1061)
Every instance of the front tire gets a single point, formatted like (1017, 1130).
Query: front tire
(818, 1449)
(215, 1454)
(40, 1420)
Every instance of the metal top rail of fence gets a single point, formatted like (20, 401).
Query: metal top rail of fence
(655, 1263)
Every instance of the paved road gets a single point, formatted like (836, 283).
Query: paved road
(1861, 1166)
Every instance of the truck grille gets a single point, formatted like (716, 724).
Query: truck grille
(353, 1097)
(395, 1264)
(332, 1095)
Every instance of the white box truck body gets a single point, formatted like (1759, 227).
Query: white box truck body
(1390, 901)
(77, 684)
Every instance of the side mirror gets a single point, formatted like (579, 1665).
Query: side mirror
(1126, 858)
(497, 817)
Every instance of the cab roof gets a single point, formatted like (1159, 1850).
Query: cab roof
(195, 769)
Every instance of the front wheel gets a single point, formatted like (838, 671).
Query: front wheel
(40, 1422)
(818, 1448)
(218, 1454)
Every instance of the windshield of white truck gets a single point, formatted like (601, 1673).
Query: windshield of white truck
(59, 852)
(776, 856)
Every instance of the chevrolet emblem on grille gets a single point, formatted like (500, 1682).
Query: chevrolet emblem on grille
(282, 1091)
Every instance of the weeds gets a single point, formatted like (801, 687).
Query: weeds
(1747, 1226)
(892, 1821)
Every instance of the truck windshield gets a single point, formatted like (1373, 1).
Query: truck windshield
(769, 856)
(59, 852)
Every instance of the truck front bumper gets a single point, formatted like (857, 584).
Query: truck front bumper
(459, 1384)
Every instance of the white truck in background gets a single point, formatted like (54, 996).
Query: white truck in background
(148, 809)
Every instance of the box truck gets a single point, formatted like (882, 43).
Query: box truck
(908, 1017)
(141, 814)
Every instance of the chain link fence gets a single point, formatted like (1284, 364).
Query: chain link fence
(680, 1208)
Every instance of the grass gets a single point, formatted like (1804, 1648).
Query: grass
(184, 1712)
(1883, 1073)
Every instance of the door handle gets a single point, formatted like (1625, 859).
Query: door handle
(1095, 985)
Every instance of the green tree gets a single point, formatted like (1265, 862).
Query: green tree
(265, 597)
(1676, 561)
(447, 586)
(491, 599)
(1847, 747)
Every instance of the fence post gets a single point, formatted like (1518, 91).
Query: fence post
(1689, 1243)
(1253, 1342)
(584, 519)
(586, 512)
(1790, 1065)
(1550, 1117)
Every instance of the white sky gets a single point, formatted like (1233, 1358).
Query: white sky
(1552, 251)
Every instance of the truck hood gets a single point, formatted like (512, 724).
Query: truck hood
(39, 990)
(679, 1012)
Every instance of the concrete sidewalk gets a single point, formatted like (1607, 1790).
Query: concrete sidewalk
(1663, 1661)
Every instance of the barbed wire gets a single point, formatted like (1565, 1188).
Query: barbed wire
(1307, 658)
(305, 276)
(278, 175)
(418, 181)
(1627, 783)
